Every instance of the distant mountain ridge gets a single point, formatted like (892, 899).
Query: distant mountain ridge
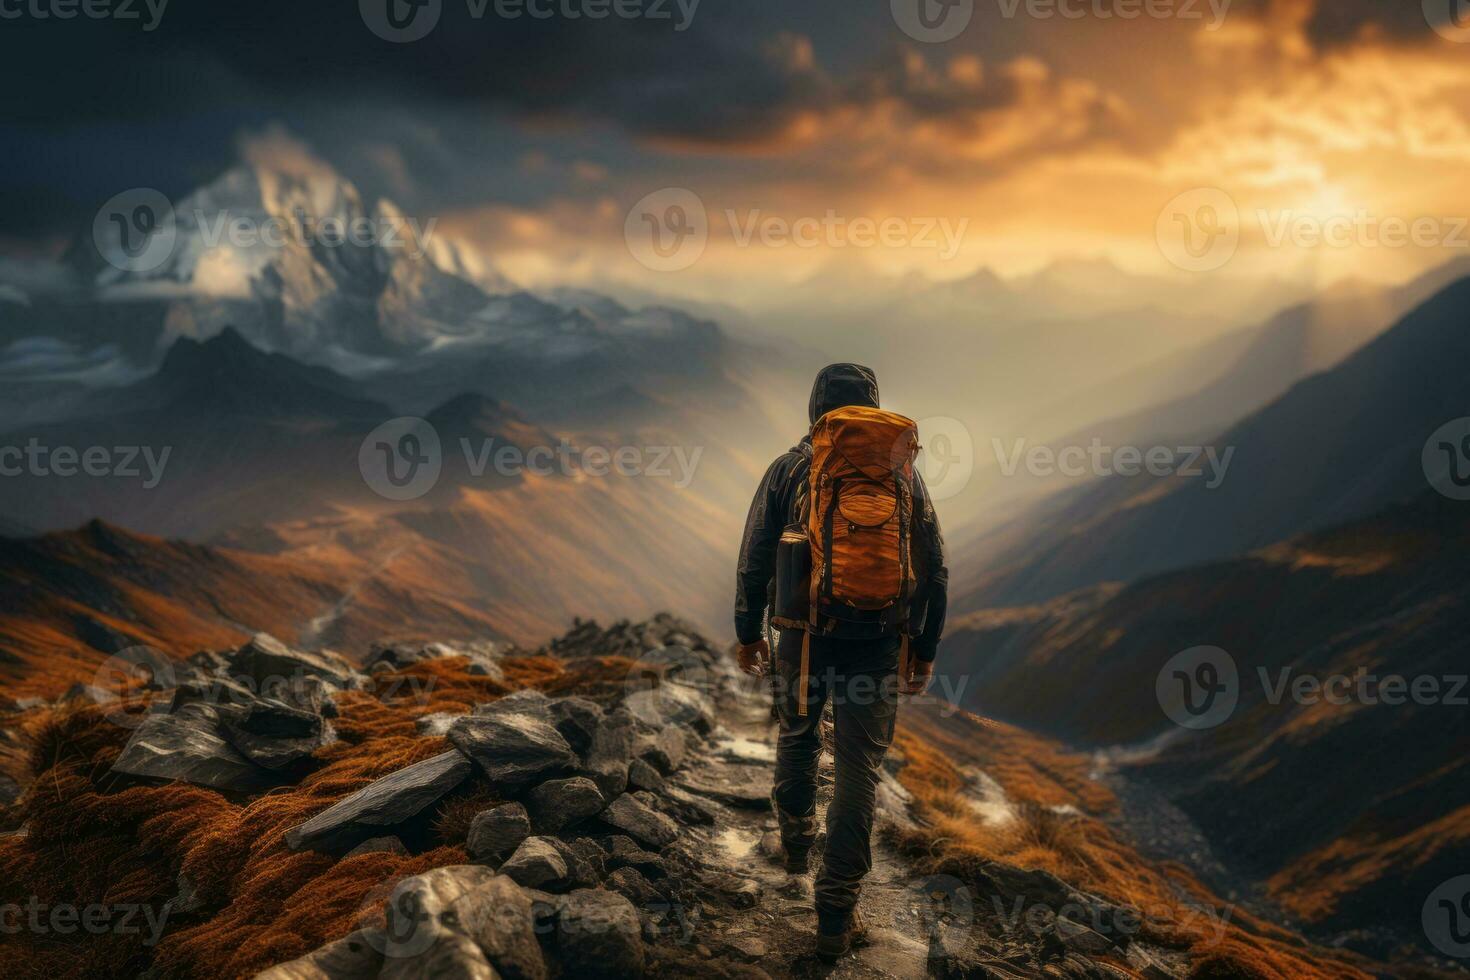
(1337, 445)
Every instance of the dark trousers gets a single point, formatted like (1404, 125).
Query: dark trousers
(861, 679)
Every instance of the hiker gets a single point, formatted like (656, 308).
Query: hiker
(843, 545)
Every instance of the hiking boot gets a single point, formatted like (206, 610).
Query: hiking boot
(797, 862)
(832, 945)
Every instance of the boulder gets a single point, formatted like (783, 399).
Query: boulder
(673, 703)
(611, 752)
(498, 831)
(186, 745)
(625, 853)
(267, 665)
(581, 873)
(598, 934)
(640, 822)
(577, 720)
(385, 802)
(378, 845)
(458, 921)
(559, 803)
(732, 783)
(513, 745)
(666, 750)
(273, 734)
(536, 864)
(358, 956)
(641, 775)
(449, 954)
(630, 883)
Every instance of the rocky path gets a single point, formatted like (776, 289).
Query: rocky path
(780, 930)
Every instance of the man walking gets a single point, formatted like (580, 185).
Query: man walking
(861, 609)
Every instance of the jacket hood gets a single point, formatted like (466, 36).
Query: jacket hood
(840, 385)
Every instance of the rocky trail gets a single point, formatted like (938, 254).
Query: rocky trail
(618, 828)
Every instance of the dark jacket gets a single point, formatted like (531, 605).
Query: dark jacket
(774, 507)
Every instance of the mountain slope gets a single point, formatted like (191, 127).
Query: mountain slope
(1337, 445)
(1354, 811)
(69, 599)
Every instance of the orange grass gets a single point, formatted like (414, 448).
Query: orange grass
(93, 841)
(1039, 776)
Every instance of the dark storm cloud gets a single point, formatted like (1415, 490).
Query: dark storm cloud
(1333, 22)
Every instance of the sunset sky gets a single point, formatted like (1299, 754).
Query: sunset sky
(1030, 135)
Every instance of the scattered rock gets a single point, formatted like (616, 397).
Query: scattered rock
(357, 955)
(559, 803)
(666, 749)
(631, 884)
(625, 853)
(581, 873)
(436, 725)
(385, 802)
(643, 776)
(512, 745)
(269, 663)
(378, 845)
(1080, 938)
(741, 893)
(498, 831)
(273, 734)
(577, 720)
(461, 921)
(598, 934)
(734, 783)
(640, 822)
(186, 745)
(611, 752)
(673, 704)
(747, 948)
(536, 864)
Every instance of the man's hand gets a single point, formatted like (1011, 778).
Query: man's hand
(755, 658)
(917, 677)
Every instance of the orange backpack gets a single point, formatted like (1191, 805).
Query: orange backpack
(856, 516)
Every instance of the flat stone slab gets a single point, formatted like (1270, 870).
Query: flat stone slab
(186, 745)
(734, 783)
(385, 802)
